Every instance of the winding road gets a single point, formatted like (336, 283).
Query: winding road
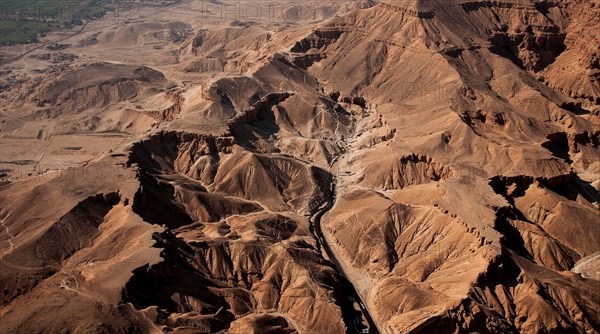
(354, 310)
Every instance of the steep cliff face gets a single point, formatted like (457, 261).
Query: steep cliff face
(487, 91)
(440, 158)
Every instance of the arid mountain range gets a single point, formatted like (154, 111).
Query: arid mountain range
(398, 166)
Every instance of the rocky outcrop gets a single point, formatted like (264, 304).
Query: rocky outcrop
(402, 167)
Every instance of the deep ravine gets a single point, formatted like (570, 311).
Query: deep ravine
(354, 311)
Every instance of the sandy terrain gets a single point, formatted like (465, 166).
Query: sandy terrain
(302, 167)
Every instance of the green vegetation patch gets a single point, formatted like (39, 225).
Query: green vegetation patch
(22, 20)
(17, 31)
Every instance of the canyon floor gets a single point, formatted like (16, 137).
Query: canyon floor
(423, 166)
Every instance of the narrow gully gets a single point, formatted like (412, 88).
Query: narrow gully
(354, 311)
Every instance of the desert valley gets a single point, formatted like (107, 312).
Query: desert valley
(353, 166)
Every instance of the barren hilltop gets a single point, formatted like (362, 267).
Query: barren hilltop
(422, 166)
